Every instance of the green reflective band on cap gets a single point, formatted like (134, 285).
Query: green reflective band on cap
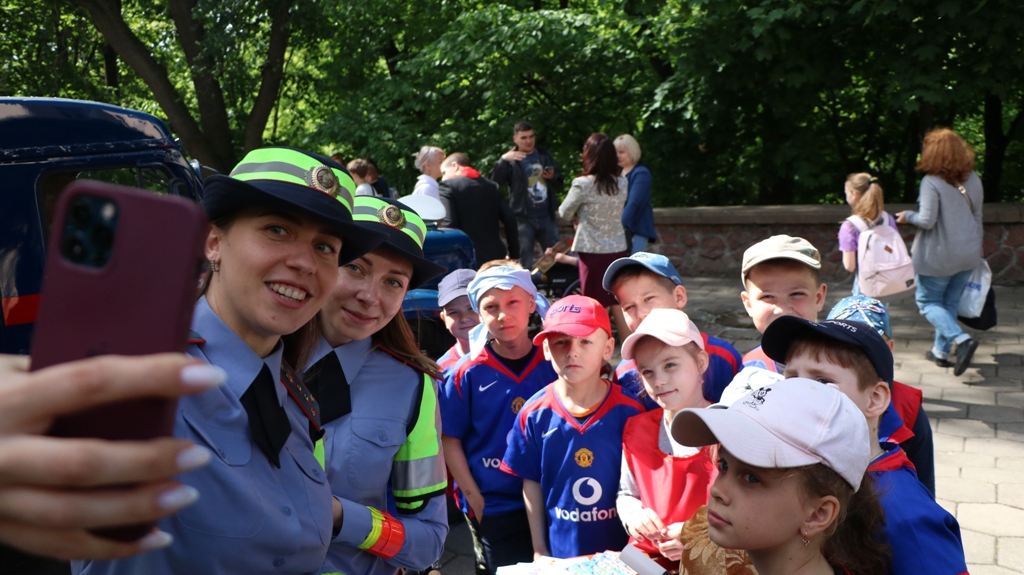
(294, 167)
(370, 209)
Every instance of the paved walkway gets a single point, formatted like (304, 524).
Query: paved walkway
(978, 418)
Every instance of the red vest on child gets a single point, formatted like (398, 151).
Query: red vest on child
(672, 487)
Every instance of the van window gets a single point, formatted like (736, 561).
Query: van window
(51, 184)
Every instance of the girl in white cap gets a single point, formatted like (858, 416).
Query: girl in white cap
(791, 487)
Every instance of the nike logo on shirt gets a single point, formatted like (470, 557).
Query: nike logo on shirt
(484, 387)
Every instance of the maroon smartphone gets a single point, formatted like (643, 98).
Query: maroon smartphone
(121, 278)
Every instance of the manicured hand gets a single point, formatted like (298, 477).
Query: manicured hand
(53, 490)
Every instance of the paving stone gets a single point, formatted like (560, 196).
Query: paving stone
(976, 569)
(966, 460)
(991, 518)
(1010, 553)
(943, 443)
(998, 384)
(994, 446)
(993, 475)
(970, 395)
(941, 409)
(907, 377)
(1011, 494)
(995, 413)
(1010, 463)
(929, 391)
(945, 470)
(965, 490)
(1011, 399)
(966, 427)
(979, 548)
(1014, 431)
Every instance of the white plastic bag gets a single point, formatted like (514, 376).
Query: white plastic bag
(972, 300)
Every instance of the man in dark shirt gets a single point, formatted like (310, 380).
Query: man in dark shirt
(534, 182)
(475, 206)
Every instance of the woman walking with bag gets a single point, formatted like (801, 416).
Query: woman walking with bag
(947, 246)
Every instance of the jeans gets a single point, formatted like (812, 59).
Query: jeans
(938, 299)
(531, 230)
(638, 244)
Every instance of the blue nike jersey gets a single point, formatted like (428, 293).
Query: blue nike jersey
(577, 466)
(724, 362)
(479, 403)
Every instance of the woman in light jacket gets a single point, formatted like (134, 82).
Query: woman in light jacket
(596, 199)
(947, 246)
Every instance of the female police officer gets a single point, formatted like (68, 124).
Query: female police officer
(379, 405)
(281, 223)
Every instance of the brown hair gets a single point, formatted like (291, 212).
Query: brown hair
(600, 161)
(363, 168)
(498, 263)
(784, 264)
(872, 201)
(946, 154)
(397, 337)
(457, 158)
(630, 272)
(298, 345)
(854, 540)
(837, 352)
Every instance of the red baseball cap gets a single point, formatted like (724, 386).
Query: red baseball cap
(575, 315)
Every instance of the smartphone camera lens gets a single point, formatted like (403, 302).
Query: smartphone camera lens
(80, 213)
(73, 247)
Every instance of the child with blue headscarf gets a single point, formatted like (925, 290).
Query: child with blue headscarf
(479, 403)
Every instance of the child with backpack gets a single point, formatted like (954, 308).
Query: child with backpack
(871, 244)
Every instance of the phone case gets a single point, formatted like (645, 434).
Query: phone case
(139, 302)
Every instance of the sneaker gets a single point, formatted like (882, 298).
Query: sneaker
(964, 354)
(938, 361)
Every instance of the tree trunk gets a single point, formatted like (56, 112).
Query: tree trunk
(106, 16)
(272, 75)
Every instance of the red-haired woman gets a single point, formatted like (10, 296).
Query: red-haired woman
(947, 247)
(596, 199)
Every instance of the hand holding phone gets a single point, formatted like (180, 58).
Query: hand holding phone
(121, 278)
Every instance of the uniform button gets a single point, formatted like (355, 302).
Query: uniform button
(382, 436)
(286, 510)
(279, 561)
(316, 472)
(220, 452)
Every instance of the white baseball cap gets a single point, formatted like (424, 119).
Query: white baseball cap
(792, 423)
(671, 326)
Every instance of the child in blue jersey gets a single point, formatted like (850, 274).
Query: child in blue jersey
(646, 281)
(923, 537)
(566, 444)
(479, 403)
(457, 314)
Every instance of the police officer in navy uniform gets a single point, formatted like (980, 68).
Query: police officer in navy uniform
(281, 224)
(378, 400)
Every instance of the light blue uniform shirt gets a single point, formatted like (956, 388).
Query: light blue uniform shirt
(360, 449)
(251, 517)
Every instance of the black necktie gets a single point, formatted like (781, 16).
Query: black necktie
(268, 421)
(327, 381)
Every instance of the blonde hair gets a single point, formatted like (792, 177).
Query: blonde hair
(499, 263)
(871, 202)
(426, 155)
(629, 143)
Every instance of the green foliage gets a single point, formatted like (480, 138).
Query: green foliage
(752, 101)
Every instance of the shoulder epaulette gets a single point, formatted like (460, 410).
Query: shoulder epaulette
(195, 339)
(411, 364)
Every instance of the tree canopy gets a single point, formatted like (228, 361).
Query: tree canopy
(755, 101)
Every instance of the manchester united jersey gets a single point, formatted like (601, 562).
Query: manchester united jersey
(577, 465)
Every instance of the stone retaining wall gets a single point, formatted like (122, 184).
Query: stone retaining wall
(710, 241)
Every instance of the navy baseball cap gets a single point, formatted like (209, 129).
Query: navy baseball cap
(454, 285)
(657, 263)
(866, 309)
(781, 333)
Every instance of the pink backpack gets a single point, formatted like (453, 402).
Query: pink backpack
(884, 266)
